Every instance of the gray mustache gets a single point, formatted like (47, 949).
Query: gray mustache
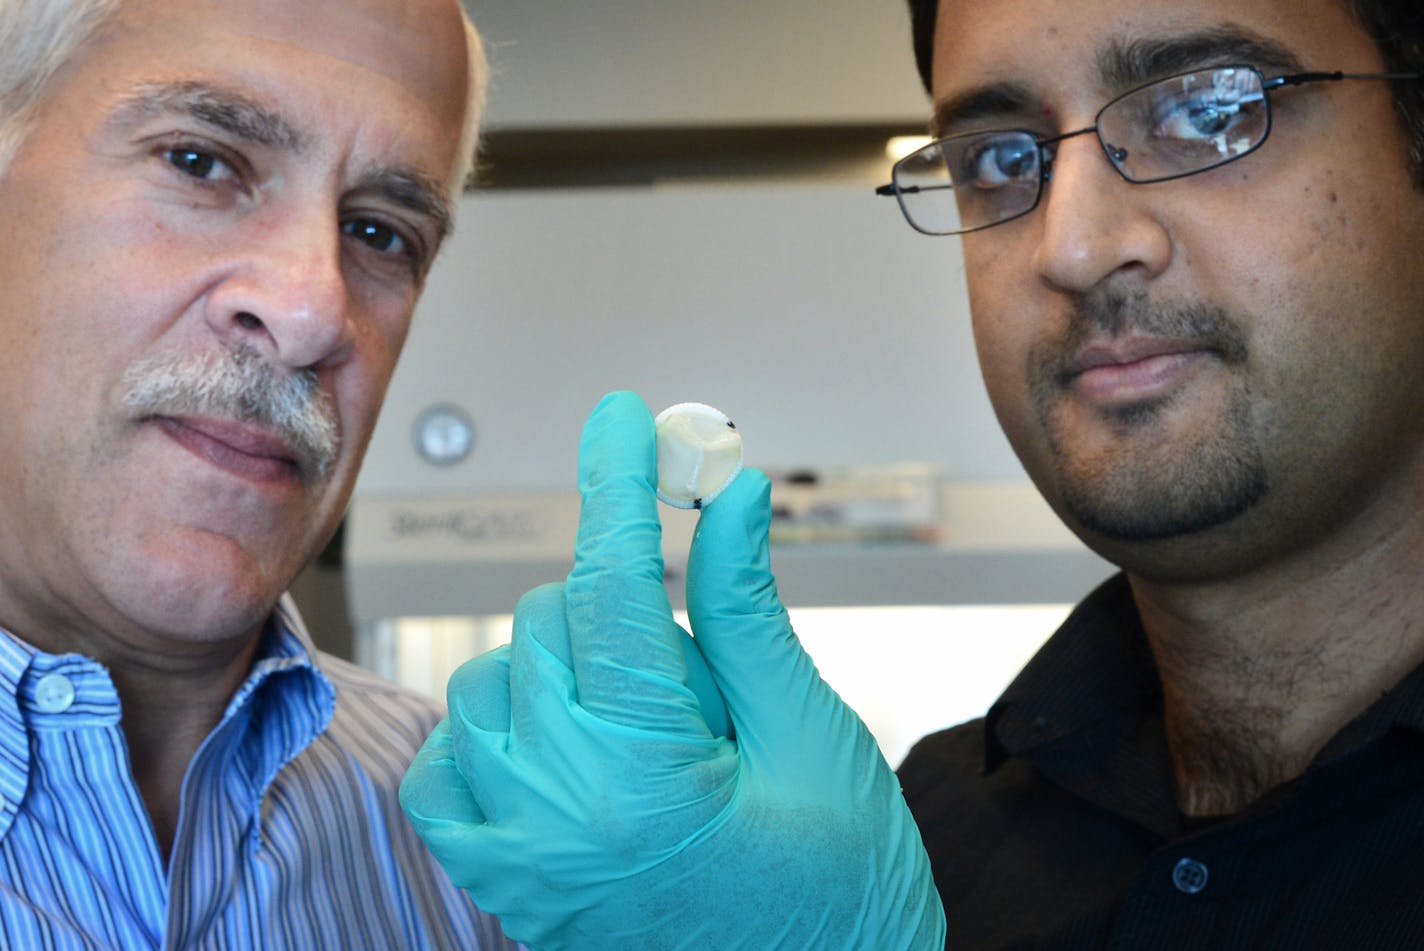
(240, 385)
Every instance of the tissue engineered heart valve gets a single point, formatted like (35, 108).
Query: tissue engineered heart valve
(699, 454)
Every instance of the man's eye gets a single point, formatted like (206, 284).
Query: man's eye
(999, 162)
(375, 235)
(382, 238)
(199, 164)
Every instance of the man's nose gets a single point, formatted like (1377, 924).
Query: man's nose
(1095, 224)
(285, 294)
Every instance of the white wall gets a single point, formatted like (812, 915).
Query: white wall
(831, 332)
(581, 63)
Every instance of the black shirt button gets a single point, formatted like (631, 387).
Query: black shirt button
(1189, 876)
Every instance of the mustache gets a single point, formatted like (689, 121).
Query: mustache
(1115, 314)
(239, 384)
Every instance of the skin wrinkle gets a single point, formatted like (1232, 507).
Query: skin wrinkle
(226, 110)
(423, 194)
(249, 121)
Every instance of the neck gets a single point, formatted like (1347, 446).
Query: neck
(173, 682)
(167, 714)
(1258, 674)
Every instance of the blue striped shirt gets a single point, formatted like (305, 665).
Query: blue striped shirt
(289, 836)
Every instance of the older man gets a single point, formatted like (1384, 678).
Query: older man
(221, 214)
(1191, 235)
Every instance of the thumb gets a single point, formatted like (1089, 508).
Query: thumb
(773, 692)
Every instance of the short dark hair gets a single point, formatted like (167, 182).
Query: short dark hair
(1396, 26)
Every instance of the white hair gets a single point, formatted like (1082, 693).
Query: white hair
(37, 37)
(478, 67)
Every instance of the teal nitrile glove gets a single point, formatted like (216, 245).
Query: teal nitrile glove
(578, 793)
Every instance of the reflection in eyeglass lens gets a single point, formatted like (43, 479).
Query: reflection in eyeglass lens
(1188, 122)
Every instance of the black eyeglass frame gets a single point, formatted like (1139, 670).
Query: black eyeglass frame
(1046, 145)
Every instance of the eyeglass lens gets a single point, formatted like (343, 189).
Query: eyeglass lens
(1173, 127)
(1185, 124)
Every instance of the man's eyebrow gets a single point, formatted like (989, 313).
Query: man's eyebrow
(1127, 65)
(984, 102)
(245, 118)
(415, 191)
(228, 110)
(1123, 66)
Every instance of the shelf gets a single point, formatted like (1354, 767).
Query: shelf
(476, 554)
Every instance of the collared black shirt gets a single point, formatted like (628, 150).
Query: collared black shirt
(1053, 823)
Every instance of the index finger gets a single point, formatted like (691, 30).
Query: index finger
(627, 657)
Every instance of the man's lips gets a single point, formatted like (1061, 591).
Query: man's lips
(1121, 371)
(241, 449)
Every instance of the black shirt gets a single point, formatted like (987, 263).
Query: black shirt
(1052, 823)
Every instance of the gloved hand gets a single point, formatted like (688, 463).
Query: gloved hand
(577, 791)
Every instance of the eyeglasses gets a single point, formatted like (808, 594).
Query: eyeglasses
(1167, 129)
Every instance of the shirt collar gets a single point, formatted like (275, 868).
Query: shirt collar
(15, 658)
(285, 683)
(295, 700)
(286, 647)
(1087, 711)
(1401, 708)
(1096, 666)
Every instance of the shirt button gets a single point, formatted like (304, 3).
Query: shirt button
(1189, 876)
(54, 693)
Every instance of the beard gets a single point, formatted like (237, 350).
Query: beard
(1150, 481)
(239, 384)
